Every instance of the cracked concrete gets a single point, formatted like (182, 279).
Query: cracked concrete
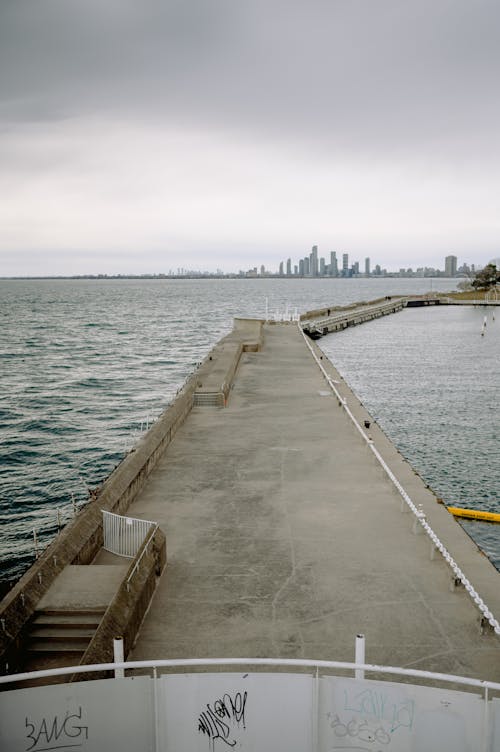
(285, 538)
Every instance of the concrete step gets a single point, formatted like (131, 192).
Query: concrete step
(58, 646)
(70, 611)
(51, 633)
(69, 620)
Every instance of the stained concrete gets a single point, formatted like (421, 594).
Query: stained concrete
(84, 587)
(286, 539)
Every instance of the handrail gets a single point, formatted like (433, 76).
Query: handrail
(150, 535)
(420, 517)
(291, 662)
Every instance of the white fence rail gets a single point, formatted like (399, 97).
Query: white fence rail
(124, 535)
(310, 711)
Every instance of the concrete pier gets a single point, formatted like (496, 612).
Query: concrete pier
(285, 537)
(328, 321)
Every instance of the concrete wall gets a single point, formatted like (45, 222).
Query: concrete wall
(125, 613)
(216, 375)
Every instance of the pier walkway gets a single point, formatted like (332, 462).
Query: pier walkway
(285, 538)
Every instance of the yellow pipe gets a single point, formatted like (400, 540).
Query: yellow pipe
(474, 514)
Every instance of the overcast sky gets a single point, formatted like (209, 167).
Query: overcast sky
(140, 136)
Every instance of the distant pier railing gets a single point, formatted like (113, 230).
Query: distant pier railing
(317, 328)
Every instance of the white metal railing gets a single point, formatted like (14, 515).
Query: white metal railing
(152, 530)
(419, 515)
(298, 705)
(124, 535)
(292, 663)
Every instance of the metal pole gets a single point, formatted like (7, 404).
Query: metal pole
(118, 656)
(35, 541)
(359, 656)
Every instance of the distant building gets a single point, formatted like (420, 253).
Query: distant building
(322, 267)
(281, 269)
(450, 266)
(289, 268)
(301, 268)
(307, 265)
(367, 267)
(345, 264)
(334, 268)
(313, 258)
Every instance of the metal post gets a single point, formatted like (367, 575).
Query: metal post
(118, 656)
(485, 735)
(359, 656)
(35, 541)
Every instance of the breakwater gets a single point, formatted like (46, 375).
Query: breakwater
(319, 323)
(263, 499)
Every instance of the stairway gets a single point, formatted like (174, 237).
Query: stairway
(60, 637)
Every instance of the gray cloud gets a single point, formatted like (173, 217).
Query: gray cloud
(407, 89)
(353, 70)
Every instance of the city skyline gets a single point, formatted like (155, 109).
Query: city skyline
(310, 266)
(313, 265)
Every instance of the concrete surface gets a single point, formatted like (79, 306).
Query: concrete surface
(285, 538)
(83, 587)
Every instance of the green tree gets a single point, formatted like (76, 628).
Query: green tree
(486, 278)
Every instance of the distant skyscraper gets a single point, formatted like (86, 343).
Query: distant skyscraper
(345, 264)
(450, 266)
(334, 268)
(306, 266)
(289, 268)
(367, 267)
(281, 269)
(314, 261)
(322, 267)
(301, 268)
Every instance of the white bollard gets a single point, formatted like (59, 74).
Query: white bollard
(359, 656)
(118, 656)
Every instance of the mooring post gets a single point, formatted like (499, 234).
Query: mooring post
(118, 656)
(359, 656)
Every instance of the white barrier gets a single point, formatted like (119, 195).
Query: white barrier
(124, 535)
(250, 711)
